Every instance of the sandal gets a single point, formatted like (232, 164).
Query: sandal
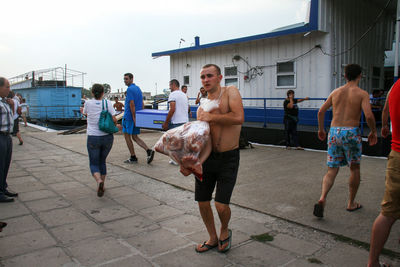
(206, 246)
(228, 240)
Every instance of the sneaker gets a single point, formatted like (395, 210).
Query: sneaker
(150, 156)
(173, 162)
(131, 160)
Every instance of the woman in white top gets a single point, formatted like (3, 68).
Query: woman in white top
(99, 143)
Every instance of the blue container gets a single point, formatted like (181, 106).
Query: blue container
(52, 103)
(151, 118)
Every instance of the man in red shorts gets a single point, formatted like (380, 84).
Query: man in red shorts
(390, 206)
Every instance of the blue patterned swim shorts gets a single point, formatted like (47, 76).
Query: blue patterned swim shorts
(344, 146)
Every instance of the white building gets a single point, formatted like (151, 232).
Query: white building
(307, 57)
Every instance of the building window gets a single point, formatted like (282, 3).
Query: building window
(186, 80)
(231, 76)
(231, 81)
(230, 71)
(286, 74)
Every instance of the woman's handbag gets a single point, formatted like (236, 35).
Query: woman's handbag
(106, 123)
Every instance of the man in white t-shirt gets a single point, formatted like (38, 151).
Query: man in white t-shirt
(178, 107)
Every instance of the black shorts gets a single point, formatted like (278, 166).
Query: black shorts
(220, 169)
(16, 126)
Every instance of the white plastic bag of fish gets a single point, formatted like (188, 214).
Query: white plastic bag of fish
(184, 143)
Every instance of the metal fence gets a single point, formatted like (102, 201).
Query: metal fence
(270, 110)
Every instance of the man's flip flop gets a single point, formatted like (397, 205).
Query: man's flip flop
(207, 246)
(228, 240)
(359, 206)
(318, 210)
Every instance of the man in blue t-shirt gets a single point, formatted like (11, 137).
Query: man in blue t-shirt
(133, 102)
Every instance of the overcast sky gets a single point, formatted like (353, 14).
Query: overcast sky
(105, 39)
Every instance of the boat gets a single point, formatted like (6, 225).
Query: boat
(53, 95)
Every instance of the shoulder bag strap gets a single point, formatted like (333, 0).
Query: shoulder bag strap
(102, 104)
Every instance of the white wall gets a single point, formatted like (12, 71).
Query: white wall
(347, 21)
(312, 70)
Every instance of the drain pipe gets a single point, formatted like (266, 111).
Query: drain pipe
(396, 45)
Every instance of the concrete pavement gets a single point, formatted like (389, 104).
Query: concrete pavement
(148, 216)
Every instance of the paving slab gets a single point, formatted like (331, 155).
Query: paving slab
(137, 201)
(121, 192)
(13, 209)
(36, 195)
(187, 257)
(126, 178)
(304, 263)
(60, 216)
(157, 241)
(77, 231)
(249, 226)
(66, 186)
(130, 226)
(26, 242)
(184, 224)
(47, 204)
(45, 257)
(346, 255)
(68, 169)
(77, 193)
(54, 177)
(21, 224)
(98, 251)
(110, 213)
(16, 173)
(259, 254)
(21, 180)
(295, 245)
(161, 212)
(40, 168)
(135, 260)
(27, 187)
(92, 202)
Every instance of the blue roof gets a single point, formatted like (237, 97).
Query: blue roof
(287, 30)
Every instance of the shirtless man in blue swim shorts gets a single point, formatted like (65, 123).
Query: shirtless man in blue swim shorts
(344, 139)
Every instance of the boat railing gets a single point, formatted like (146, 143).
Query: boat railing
(270, 110)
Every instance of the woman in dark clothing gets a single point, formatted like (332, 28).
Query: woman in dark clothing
(291, 118)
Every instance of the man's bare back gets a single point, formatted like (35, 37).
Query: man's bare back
(347, 103)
